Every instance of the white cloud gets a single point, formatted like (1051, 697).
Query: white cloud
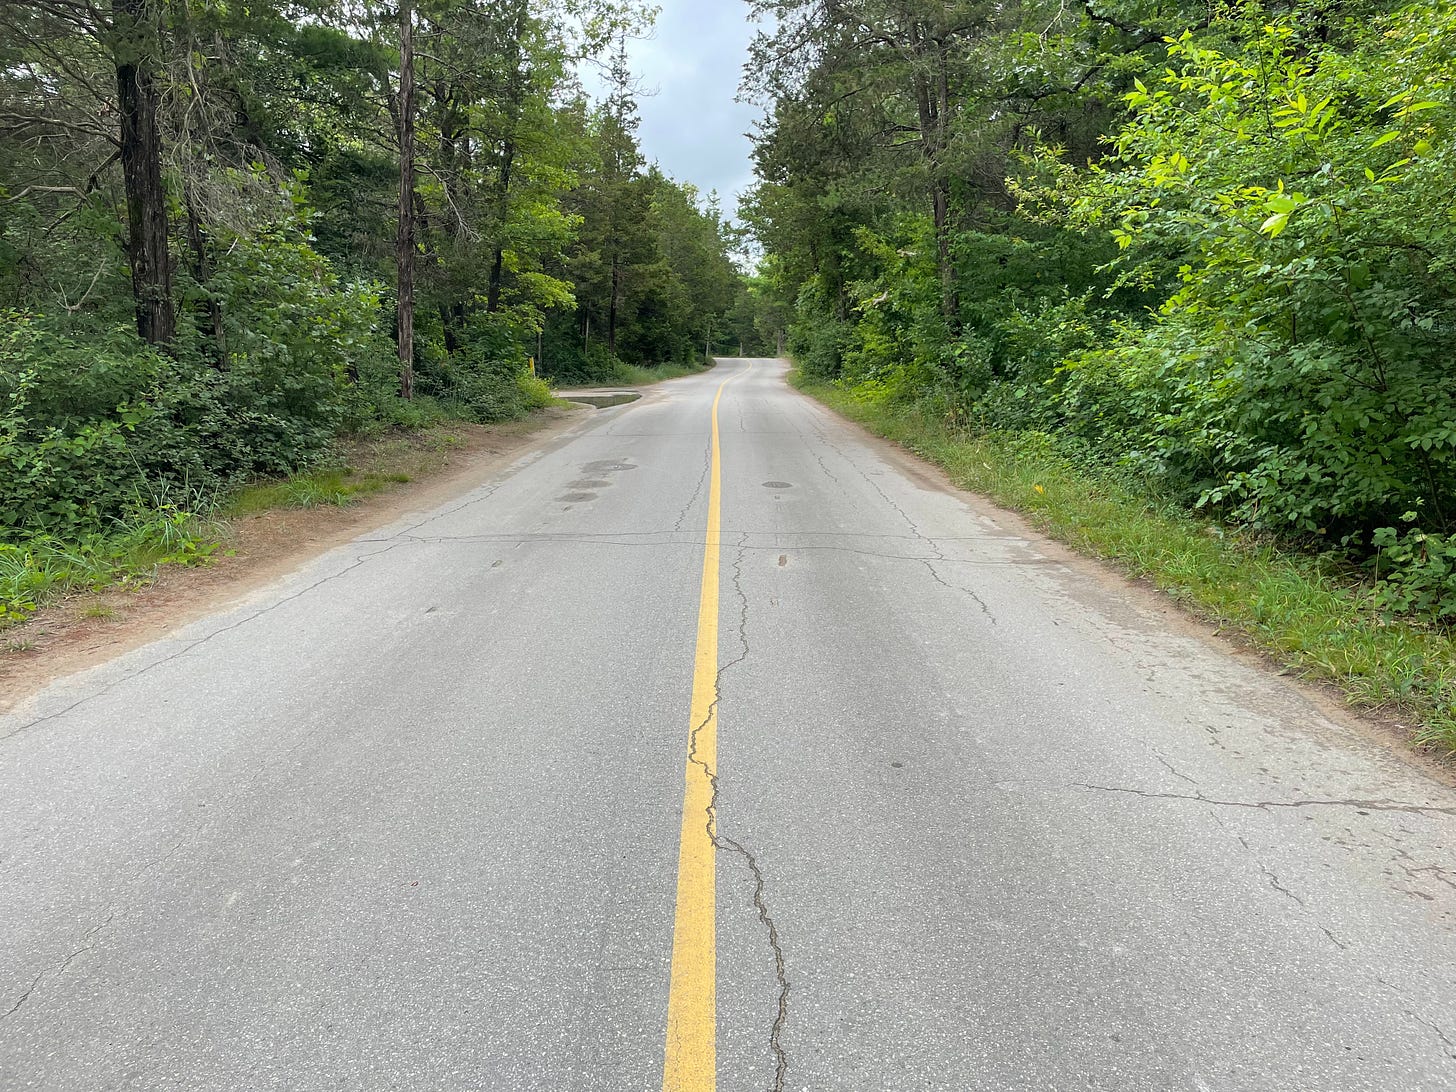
(691, 125)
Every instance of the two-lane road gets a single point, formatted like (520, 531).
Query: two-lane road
(713, 739)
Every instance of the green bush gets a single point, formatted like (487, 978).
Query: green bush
(1298, 375)
(91, 418)
(1416, 573)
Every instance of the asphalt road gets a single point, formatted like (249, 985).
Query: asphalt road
(987, 818)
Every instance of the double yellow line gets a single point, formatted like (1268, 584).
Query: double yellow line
(692, 1003)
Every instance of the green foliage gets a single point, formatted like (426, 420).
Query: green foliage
(1300, 355)
(1238, 300)
(1419, 573)
(268, 172)
(91, 418)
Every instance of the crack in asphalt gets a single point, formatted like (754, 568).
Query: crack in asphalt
(60, 968)
(697, 489)
(1174, 769)
(475, 496)
(402, 537)
(781, 1017)
(697, 542)
(820, 458)
(1414, 872)
(1264, 805)
(765, 917)
(1418, 1018)
(1273, 878)
(939, 552)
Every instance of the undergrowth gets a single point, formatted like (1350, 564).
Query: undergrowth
(630, 375)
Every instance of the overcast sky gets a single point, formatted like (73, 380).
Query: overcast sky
(689, 72)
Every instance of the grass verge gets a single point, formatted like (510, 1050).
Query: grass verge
(360, 468)
(1314, 615)
(634, 376)
(44, 568)
(630, 375)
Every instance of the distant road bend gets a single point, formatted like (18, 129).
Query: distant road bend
(714, 745)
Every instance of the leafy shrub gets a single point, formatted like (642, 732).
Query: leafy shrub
(90, 417)
(1417, 573)
(67, 414)
(1300, 367)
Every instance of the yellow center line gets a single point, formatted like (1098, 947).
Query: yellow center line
(692, 1001)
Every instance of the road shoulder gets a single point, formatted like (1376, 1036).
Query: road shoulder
(84, 630)
(1387, 731)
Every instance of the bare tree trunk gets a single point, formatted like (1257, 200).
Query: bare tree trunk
(950, 299)
(932, 99)
(135, 27)
(404, 245)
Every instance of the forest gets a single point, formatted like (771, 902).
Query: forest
(230, 234)
(1204, 250)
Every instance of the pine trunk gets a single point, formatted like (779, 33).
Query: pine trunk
(135, 26)
(404, 245)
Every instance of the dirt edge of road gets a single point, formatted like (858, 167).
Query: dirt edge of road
(1385, 732)
(84, 630)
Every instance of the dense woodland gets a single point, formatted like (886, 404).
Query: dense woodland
(1205, 248)
(230, 233)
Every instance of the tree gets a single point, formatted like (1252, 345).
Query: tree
(404, 246)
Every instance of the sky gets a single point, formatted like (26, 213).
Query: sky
(689, 71)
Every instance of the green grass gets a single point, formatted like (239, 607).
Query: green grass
(366, 465)
(1311, 613)
(337, 486)
(629, 375)
(38, 570)
(42, 568)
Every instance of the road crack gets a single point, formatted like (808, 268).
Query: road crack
(937, 553)
(1273, 878)
(1446, 1039)
(1264, 805)
(697, 489)
(730, 845)
(1174, 769)
(87, 945)
(192, 645)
